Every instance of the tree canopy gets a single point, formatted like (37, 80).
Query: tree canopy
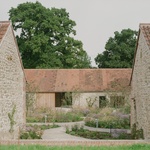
(45, 37)
(119, 50)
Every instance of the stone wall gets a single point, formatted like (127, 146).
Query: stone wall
(140, 88)
(12, 88)
(83, 99)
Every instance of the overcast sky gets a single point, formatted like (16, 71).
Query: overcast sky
(96, 20)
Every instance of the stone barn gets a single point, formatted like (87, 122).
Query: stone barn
(12, 84)
(140, 82)
(52, 88)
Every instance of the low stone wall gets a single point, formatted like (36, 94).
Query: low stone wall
(74, 143)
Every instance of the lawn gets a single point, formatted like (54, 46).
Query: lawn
(38, 147)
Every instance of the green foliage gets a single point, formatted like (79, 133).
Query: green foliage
(119, 50)
(55, 116)
(35, 131)
(66, 117)
(117, 101)
(46, 37)
(108, 117)
(135, 133)
(90, 101)
(80, 131)
(115, 124)
(11, 119)
(67, 99)
(31, 132)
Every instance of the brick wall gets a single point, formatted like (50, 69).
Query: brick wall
(140, 88)
(12, 86)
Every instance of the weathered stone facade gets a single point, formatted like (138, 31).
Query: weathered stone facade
(12, 85)
(140, 83)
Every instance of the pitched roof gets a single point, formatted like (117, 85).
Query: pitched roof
(83, 80)
(3, 28)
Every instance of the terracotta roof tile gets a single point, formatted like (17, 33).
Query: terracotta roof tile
(145, 28)
(3, 28)
(83, 80)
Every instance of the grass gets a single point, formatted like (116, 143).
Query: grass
(38, 147)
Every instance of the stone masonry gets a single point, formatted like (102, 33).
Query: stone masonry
(140, 83)
(12, 84)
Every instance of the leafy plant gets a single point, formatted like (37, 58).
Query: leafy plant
(135, 133)
(90, 101)
(55, 116)
(47, 37)
(11, 119)
(80, 131)
(34, 131)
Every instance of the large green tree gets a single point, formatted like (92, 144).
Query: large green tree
(45, 37)
(119, 50)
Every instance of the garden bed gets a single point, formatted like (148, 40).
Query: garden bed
(85, 133)
(34, 131)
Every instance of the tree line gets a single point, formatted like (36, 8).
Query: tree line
(46, 40)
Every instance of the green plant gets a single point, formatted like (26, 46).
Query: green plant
(31, 132)
(80, 131)
(11, 119)
(136, 133)
(67, 99)
(90, 101)
(34, 131)
(116, 124)
(55, 116)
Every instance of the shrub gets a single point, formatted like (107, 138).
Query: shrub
(55, 116)
(80, 131)
(116, 124)
(34, 131)
(31, 132)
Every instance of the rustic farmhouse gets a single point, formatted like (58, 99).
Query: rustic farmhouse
(12, 84)
(77, 87)
(140, 82)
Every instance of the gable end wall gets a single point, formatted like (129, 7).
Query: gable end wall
(140, 88)
(12, 86)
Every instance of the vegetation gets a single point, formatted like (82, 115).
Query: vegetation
(46, 37)
(80, 131)
(38, 147)
(109, 118)
(119, 50)
(11, 119)
(135, 133)
(34, 131)
(54, 116)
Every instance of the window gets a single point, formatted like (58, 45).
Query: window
(117, 101)
(102, 101)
